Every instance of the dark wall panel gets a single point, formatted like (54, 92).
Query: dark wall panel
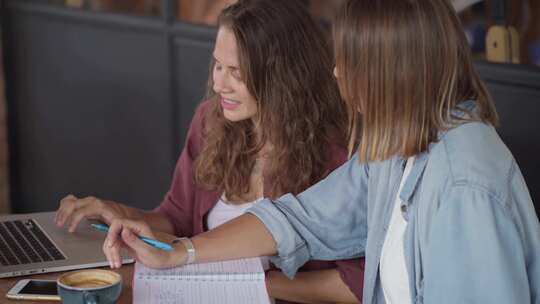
(90, 112)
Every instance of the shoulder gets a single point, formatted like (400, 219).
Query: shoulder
(194, 138)
(474, 155)
(200, 113)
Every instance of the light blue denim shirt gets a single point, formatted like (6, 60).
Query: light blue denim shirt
(472, 234)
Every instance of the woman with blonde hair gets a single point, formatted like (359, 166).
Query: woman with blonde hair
(433, 198)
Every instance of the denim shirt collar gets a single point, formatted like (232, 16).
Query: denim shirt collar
(413, 179)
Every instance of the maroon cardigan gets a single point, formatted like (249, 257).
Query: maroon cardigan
(186, 205)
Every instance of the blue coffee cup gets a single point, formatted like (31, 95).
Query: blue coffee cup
(90, 286)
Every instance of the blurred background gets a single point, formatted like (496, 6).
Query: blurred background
(96, 95)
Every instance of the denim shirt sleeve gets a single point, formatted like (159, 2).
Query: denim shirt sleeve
(475, 253)
(325, 222)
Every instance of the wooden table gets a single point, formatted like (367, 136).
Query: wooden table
(127, 278)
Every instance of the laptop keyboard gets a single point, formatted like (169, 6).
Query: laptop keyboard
(23, 242)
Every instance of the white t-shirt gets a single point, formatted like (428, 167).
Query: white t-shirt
(224, 212)
(392, 267)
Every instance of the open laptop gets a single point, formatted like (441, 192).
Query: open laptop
(32, 243)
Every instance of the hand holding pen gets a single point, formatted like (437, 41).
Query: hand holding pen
(149, 241)
(125, 233)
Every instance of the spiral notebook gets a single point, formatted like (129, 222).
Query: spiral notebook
(235, 282)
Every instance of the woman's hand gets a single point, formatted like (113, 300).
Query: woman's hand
(73, 210)
(124, 233)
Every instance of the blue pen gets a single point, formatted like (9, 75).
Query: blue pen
(152, 242)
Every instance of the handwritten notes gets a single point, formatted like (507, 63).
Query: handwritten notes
(229, 282)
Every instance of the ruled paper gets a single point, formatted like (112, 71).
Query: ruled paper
(229, 282)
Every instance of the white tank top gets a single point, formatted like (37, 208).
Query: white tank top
(224, 212)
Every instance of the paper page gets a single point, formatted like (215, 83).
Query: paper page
(240, 266)
(228, 282)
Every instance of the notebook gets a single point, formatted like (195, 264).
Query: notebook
(228, 282)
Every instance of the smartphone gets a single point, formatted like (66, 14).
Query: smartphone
(36, 290)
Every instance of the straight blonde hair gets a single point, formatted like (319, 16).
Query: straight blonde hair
(403, 69)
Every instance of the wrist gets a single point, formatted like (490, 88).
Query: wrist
(188, 249)
(178, 255)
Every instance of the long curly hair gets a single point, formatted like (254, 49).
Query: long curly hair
(286, 63)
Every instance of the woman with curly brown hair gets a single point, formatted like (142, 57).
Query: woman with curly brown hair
(273, 124)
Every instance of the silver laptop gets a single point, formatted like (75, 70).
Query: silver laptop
(32, 243)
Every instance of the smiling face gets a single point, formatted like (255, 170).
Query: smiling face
(235, 99)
